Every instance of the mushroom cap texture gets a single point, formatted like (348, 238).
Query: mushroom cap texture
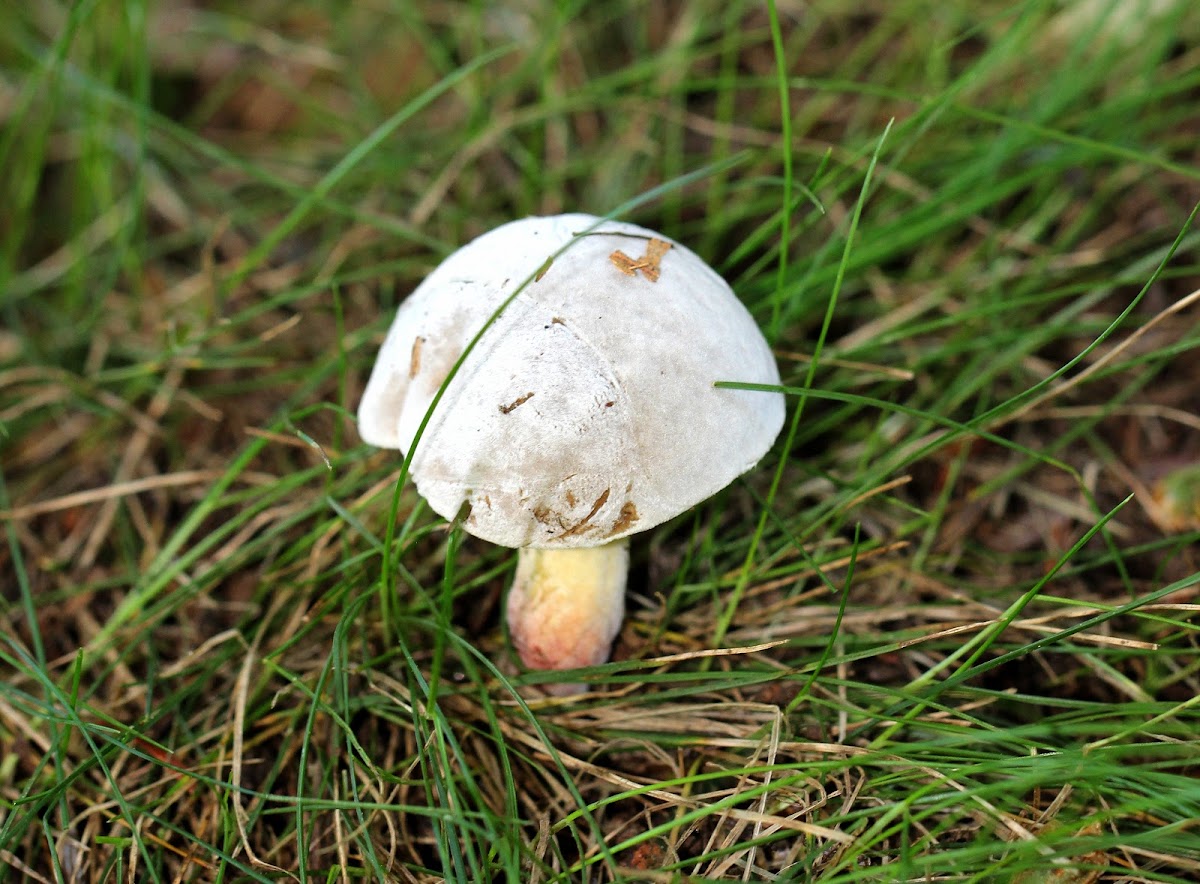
(587, 410)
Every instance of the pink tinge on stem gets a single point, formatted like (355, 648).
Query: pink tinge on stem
(562, 639)
(566, 606)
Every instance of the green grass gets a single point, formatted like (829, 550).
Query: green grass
(946, 630)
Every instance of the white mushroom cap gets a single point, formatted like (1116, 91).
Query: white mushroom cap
(587, 410)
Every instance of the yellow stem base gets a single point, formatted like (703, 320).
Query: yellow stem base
(566, 605)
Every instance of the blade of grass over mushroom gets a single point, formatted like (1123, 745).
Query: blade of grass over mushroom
(533, 277)
(566, 603)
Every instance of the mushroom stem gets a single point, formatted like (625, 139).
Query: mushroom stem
(566, 605)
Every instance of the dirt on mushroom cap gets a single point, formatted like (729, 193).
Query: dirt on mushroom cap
(587, 411)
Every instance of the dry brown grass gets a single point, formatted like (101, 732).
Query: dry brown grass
(948, 659)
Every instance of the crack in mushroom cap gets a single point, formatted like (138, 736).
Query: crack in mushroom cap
(587, 410)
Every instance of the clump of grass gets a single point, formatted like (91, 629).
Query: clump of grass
(944, 631)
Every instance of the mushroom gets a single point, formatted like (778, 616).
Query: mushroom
(584, 413)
